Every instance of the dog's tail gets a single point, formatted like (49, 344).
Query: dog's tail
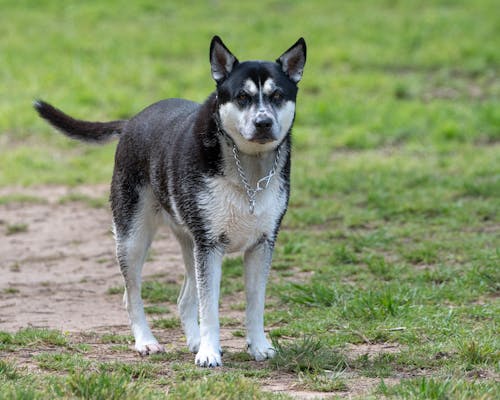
(94, 132)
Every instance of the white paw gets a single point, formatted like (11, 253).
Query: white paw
(192, 332)
(193, 343)
(149, 348)
(208, 357)
(261, 350)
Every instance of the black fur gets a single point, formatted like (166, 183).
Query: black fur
(173, 147)
(97, 132)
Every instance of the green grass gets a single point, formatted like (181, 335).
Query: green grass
(307, 355)
(156, 309)
(326, 382)
(90, 201)
(62, 362)
(101, 386)
(21, 198)
(154, 292)
(214, 388)
(166, 323)
(13, 229)
(115, 290)
(117, 339)
(79, 385)
(10, 290)
(439, 389)
(8, 371)
(157, 292)
(30, 337)
(392, 234)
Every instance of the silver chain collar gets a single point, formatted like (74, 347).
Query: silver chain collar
(252, 192)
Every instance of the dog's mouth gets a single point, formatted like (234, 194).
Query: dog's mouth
(262, 140)
(263, 136)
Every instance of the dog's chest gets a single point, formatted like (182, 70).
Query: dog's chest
(226, 209)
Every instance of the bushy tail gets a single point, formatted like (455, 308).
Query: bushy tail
(96, 132)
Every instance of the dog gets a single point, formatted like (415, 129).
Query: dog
(218, 174)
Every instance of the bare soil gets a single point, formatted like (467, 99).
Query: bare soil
(57, 264)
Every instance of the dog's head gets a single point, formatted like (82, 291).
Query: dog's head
(257, 98)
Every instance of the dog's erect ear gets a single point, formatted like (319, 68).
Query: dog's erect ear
(293, 60)
(221, 60)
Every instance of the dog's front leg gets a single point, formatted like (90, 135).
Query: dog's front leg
(257, 263)
(208, 263)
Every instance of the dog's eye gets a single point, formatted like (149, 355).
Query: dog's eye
(243, 98)
(277, 96)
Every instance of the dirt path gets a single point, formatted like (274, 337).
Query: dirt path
(57, 263)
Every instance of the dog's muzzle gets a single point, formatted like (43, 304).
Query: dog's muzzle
(263, 129)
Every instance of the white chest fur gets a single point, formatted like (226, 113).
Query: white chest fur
(225, 206)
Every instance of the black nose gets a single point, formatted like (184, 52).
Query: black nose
(263, 122)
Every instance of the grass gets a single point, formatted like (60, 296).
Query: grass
(392, 231)
(307, 355)
(157, 292)
(330, 382)
(62, 362)
(10, 290)
(230, 388)
(30, 337)
(90, 201)
(101, 386)
(117, 339)
(8, 371)
(21, 198)
(115, 290)
(166, 323)
(438, 389)
(156, 309)
(13, 229)
(90, 385)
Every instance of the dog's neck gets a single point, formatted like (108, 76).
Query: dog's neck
(254, 172)
(213, 137)
(251, 177)
(255, 163)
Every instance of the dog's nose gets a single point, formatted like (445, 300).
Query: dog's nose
(263, 121)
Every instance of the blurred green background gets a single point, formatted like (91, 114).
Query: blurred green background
(392, 234)
(379, 73)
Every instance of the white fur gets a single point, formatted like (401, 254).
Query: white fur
(285, 117)
(226, 206)
(239, 125)
(134, 249)
(187, 301)
(269, 86)
(208, 284)
(257, 263)
(250, 87)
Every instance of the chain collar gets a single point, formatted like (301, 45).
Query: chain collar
(252, 192)
(262, 183)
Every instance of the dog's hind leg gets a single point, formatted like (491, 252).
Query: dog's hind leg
(188, 297)
(135, 223)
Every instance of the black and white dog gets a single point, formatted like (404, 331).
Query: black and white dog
(218, 174)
